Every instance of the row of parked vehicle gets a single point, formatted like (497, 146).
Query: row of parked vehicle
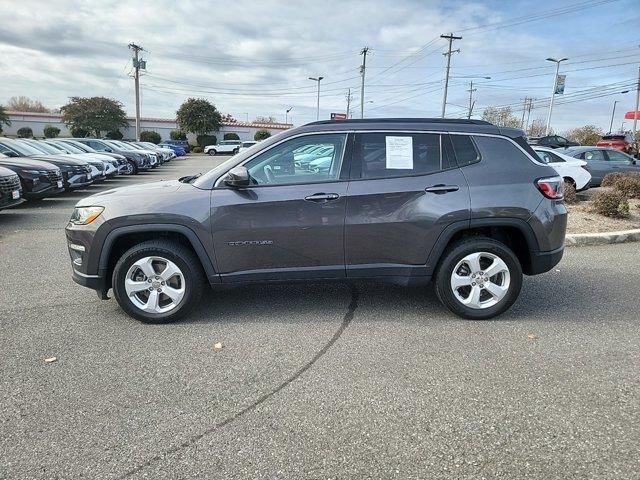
(585, 166)
(35, 169)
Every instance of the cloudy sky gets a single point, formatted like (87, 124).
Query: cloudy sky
(254, 58)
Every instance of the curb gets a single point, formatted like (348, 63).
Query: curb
(605, 238)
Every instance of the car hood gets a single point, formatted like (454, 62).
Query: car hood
(141, 190)
(61, 160)
(5, 172)
(27, 163)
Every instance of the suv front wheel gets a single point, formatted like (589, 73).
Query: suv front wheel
(158, 281)
(478, 278)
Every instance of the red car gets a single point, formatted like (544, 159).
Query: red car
(620, 141)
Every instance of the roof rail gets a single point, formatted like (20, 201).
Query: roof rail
(455, 121)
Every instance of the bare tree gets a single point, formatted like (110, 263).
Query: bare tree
(587, 135)
(537, 128)
(261, 119)
(501, 116)
(25, 104)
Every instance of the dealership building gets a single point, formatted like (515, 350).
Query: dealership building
(38, 121)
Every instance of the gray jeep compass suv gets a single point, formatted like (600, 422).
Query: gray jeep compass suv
(461, 202)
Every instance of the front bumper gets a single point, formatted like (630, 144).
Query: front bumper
(43, 192)
(8, 202)
(78, 181)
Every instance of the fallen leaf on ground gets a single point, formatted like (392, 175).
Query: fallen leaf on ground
(50, 359)
(532, 336)
(218, 346)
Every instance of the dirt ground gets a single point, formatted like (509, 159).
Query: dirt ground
(583, 220)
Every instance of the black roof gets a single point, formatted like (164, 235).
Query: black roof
(432, 124)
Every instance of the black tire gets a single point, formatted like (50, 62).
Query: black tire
(183, 257)
(235, 152)
(455, 254)
(212, 152)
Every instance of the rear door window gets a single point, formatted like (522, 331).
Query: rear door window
(396, 154)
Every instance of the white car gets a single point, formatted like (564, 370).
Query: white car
(246, 145)
(225, 146)
(570, 168)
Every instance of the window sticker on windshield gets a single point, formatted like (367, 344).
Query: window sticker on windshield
(399, 153)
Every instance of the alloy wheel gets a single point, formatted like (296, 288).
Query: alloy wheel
(480, 280)
(155, 284)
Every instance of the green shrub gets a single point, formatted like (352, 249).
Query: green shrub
(149, 136)
(114, 135)
(197, 149)
(261, 135)
(627, 183)
(570, 195)
(611, 203)
(177, 135)
(78, 132)
(204, 140)
(231, 136)
(51, 132)
(25, 132)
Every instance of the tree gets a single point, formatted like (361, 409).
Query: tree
(114, 135)
(204, 140)
(4, 118)
(177, 135)
(78, 132)
(25, 104)
(94, 114)
(261, 119)
(587, 135)
(261, 135)
(228, 118)
(501, 116)
(231, 136)
(51, 132)
(199, 116)
(25, 132)
(149, 136)
(537, 128)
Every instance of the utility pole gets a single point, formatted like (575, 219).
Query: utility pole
(137, 64)
(286, 115)
(524, 110)
(451, 38)
(613, 114)
(317, 79)
(529, 107)
(553, 92)
(349, 102)
(363, 69)
(635, 113)
(471, 102)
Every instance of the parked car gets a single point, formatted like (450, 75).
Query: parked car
(140, 160)
(38, 179)
(620, 141)
(225, 146)
(74, 173)
(119, 162)
(462, 202)
(182, 143)
(553, 141)
(10, 188)
(573, 170)
(246, 145)
(601, 161)
(177, 149)
(154, 158)
(168, 153)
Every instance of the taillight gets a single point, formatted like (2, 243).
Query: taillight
(551, 187)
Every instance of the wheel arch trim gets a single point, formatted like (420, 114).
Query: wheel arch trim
(189, 234)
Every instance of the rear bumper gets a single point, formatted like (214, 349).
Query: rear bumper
(542, 262)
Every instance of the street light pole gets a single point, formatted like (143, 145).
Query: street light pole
(317, 79)
(553, 92)
(286, 115)
(613, 114)
(635, 113)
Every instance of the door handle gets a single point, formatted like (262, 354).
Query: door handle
(440, 189)
(322, 197)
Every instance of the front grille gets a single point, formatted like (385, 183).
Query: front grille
(54, 176)
(81, 169)
(9, 184)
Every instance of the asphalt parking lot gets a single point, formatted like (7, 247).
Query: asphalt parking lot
(314, 381)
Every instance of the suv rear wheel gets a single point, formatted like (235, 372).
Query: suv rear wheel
(158, 281)
(478, 278)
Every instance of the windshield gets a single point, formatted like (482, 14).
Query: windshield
(135, 146)
(78, 145)
(119, 145)
(73, 149)
(24, 149)
(43, 147)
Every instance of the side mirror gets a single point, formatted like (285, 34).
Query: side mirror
(238, 177)
(108, 150)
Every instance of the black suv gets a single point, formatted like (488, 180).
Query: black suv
(462, 202)
(553, 141)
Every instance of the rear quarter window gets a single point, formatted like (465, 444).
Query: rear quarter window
(464, 149)
(502, 151)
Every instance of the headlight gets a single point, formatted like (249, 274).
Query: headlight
(85, 215)
(34, 172)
